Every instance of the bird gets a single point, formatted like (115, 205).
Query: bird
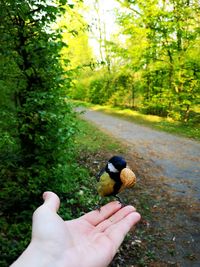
(114, 178)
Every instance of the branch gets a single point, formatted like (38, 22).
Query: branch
(127, 5)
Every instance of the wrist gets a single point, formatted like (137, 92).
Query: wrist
(35, 255)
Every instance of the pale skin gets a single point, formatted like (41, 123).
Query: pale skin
(89, 241)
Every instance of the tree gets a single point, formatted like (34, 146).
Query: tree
(37, 122)
(169, 32)
(76, 57)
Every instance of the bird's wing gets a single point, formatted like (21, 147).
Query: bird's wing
(105, 186)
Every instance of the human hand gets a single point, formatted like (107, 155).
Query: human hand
(89, 241)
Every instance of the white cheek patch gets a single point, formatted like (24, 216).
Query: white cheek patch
(112, 168)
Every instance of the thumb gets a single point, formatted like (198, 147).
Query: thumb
(51, 200)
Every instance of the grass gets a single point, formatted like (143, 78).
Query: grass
(189, 130)
(92, 140)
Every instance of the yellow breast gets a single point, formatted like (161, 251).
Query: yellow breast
(105, 185)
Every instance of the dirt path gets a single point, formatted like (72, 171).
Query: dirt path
(174, 164)
(178, 158)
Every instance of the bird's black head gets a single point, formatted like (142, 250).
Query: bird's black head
(115, 164)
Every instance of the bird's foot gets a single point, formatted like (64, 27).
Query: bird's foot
(98, 206)
(120, 201)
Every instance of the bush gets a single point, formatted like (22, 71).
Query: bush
(155, 109)
(37, 122)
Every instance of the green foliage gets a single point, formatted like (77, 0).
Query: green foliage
(41, 116)
(116, 89)
(153, 60)
(37, 121)
(98, 91)
(155, 68)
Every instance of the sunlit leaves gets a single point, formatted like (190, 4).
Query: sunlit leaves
(37, 122)
(157, 47)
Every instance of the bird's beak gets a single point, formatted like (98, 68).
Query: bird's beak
(98, 175)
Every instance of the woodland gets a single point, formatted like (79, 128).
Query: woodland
(150, 64)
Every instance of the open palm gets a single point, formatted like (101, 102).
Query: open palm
(91, 240)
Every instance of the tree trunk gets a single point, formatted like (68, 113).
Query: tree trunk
(187, 113)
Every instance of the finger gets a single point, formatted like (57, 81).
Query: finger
(97, 216)
(118, 216)
(51, 200)
(117, 232)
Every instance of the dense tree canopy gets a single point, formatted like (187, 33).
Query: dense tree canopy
(154, 59)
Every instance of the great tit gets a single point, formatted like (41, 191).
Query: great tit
(115, 177)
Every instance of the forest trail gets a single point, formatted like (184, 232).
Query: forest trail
(177, 158)
(172, 164)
